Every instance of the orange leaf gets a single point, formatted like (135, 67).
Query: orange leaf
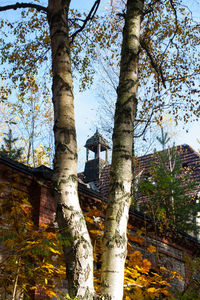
(151, 249)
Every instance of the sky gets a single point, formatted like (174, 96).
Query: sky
(87, 103)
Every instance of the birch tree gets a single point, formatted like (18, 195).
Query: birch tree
(79, 256)
(115, 239)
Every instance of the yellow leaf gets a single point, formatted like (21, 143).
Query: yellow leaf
(137, 239)
(138, 295)
(54, 250)
(152, 290)
(151, 249)
(166, 293)
(50, 293)
(96, 232)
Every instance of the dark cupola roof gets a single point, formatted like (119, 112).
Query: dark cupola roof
(93, 167)
(95, 140)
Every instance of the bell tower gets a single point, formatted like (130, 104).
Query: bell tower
(97, 143)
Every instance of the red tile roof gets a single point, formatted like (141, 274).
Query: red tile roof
(189, 158)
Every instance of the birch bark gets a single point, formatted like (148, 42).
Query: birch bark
(115, 239)
(79, 255)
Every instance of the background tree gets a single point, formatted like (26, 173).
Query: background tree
(171, 198)
(164, 139)
(31, 118)
(144, 129)
(9, 148)
(31, 256)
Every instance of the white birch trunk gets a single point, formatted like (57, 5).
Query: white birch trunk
(79, 255)
(115, 239)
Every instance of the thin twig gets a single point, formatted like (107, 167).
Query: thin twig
(146, 125)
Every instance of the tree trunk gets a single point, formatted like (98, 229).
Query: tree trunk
(71, 222)
(115, 239)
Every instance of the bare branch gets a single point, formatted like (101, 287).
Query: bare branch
(153, 62)
(146, 125)
(89, 17)
(18, 5)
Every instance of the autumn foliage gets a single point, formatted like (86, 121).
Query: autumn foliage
(140, 280)
(31, 257)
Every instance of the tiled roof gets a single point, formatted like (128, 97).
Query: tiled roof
(189, 158)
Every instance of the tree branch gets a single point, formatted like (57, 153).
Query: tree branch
(17, 5)
(146, 125)
(182, 77)
(153, 62)
(89, 17)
